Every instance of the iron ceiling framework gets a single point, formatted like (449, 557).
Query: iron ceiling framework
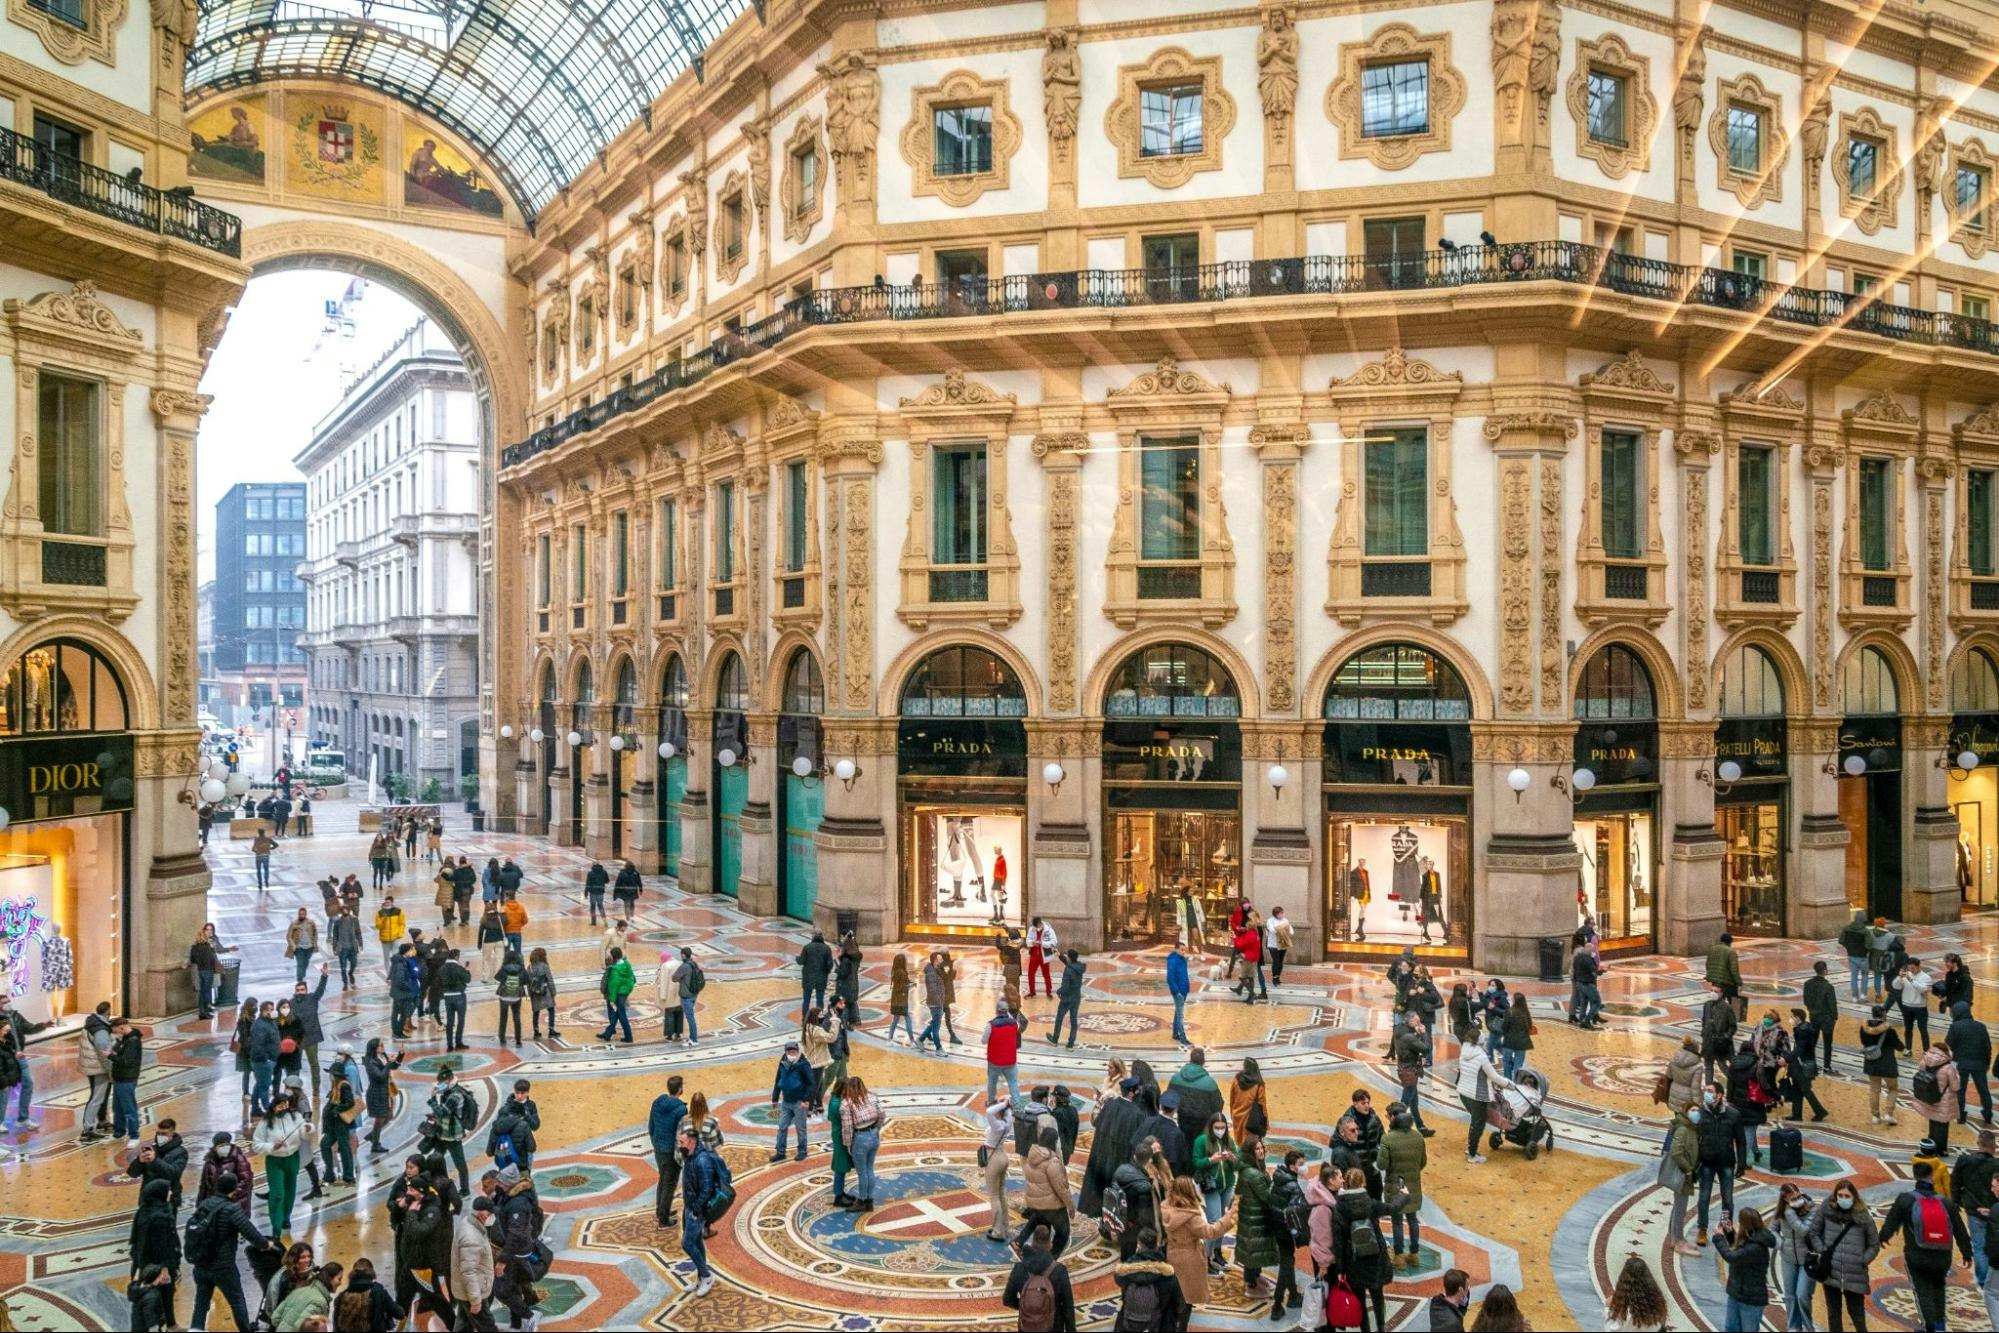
(538, 87)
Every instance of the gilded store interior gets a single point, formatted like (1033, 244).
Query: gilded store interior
(53, 878)
(1614, 782)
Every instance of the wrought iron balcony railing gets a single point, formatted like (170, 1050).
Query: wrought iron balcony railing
(1311, 275)
(75, 182)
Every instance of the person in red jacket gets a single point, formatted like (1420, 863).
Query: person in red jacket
(1236, 918)
(1249, 943)
(1003, 1053)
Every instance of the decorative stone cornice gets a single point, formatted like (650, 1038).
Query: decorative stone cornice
(1881, 408)
(957, 391)
(1628, 372)
(1540, 422)
(75, 315)
(1166, 380)
(1060, 446)
(1397, 368)
(169, 403)
(1983, 422)
(1696, 446)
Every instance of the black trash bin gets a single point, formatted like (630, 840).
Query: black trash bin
(1552, 967)
(478, 821)
(845, 923)
(225, 985)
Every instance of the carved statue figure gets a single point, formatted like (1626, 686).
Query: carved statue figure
(1690, 96)
(1062, 85)
(1277, 64)
(697, 211)
(1930, 146)
(1545, 61)
(1813, 130)
(757, 135)
(1513, 31)
(177, 19)
(853, 106)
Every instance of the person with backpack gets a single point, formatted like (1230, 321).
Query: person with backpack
(151, 1296)
(1038, 1287)
(511, 1141)
(1971, 1190)
(1718, 1024)
(1878, 1043)
(617, 986)
(208, 1243)
(1746, 1246)
(707, 1192)
(365, 1303)
(691, 980)
(541, 994)
(337, 1114)
(1934, 1089)
(1839, 1250)
(155, 1240)
(492, 939)
(1884, 957)
(1929, 1225)
(454, 1113)
(523, 1257)
(510, 987)
(1151, 1298)
(1290, 1226)
(1751, 1100)
(1359, 1254)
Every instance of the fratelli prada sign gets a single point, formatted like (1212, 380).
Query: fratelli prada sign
(1758, 745)
(50, 777)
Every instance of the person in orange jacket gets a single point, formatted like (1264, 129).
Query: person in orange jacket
(516, 918)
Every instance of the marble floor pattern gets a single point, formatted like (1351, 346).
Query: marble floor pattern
(1556, 1229)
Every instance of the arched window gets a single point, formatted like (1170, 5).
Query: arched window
(804, 691)
(1615, 684)
(1172, 680)
(1974, 685)
(1867, 685)
(963, 682)
(586, 686)
(1397, 681)
(732, 686)
(673, 691)
(62, 685)
(1751, 685)
(627, 695)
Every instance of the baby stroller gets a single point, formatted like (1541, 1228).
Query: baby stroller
(1516, 1118)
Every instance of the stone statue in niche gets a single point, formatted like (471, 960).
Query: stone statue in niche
(1277, 66)
(1062, 86)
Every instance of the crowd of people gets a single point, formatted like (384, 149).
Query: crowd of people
(1180, 1175)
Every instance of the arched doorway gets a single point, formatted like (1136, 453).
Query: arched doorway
(544, 738)
(1752, 784)
(624, 746)
(961, 788)
(729, 774)
(1172, 790)
(672, 785)
(1974, 791)
(66, 784)
(1398, 807)
(1615, 782)
(1870, 782)
(800, 745)
(579, 741)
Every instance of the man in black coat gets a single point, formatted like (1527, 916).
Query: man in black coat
(1971, 1049)
(216, 1270)
(1929, 1269)
(815, 969)
(164, 1158)
(1822, 1007)
(1173, 1141)
(1718, 1129)
(1114, 1130)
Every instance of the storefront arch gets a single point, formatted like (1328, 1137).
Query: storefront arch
(577, 677)
(674, 695)
(1782, 655)
(1752, 787)
(801, 796)
(1890, 649)
(1877, 676)
(1668, 695)
(1096, 685)
(1447, 650)
(911, 659)
(1615, 692)
(624, 732)
(141, 697)
(729, 767)
(708, 679)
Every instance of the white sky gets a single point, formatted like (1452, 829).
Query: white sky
(276, 374)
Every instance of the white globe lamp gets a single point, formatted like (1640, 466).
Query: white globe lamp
(1729, 771)
(1519, 780)
(213, 791)
(802, 766)
(1583, 779)
(1854, 765)
(845, 770)
(726, 758)
(666, 750)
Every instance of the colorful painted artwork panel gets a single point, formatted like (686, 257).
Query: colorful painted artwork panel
(439, 176)
(228, 141)
(335, 151)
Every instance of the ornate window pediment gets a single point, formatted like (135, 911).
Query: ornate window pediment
(96, 38)
(960, 563)
(675, 270)
(1756, 564)
(1396, 43)
(1620, 542)
(1969, 198)
(803, 190)
(1168, 69)
(1751, 149)
(1880, 437)
(791, 435)
(1610, 97)
(958, 187)
(1171, 557)
(732, 238)
(1867, 171)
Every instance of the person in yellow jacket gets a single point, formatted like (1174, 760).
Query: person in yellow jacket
(389, 927)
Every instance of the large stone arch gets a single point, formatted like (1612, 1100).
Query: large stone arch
(889, 699)
(664, 654)
(780, 661)
(1669, 695)
(1790, 668)
(1985, 639)
(1248, 685)
(1443, 646)
(142, 696)
(1908, 674)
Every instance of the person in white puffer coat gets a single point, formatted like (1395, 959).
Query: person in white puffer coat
(1479, 1081)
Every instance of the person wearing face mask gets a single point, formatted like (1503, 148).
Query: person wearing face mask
(1679, 1167)
(1929, 1224)
(280, 1137)
(265, 1046)
(1878, 1043)
(1718, 1129)
(226, 1160)
(164, 1157)
(291, 1041)
(305, 1010)
(1844, 1232)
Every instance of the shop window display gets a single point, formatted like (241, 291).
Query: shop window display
(1752, 877)
(1618, 874)
(52, 876)
(1399, 881)
(965, 860)
(1974, 792)
(1155, 854)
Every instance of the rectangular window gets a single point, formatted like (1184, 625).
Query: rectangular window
(805, 168)
(71, 483)
(68, 11)
(579, 564)
(1865, 284)
(59, 136)
(1967, 189)
(1875, 515)
(1974, 307)
(732, 225)
(961, 268)
(1756, 504)
(1608, 100)
(621, 554)
(1863, 167)
(725, 532)
(668, 517)
(676, 267)
(961, 139)
(1978, 522)
(1623, 513)
(1396, 472)
(1745, 139)
(543, 574)
(1394, 250)
(1395, 99)
(1170, 121)
(1169, 475)
(959, 506)
(797, 513)
(1750, 263)
(1173, 265)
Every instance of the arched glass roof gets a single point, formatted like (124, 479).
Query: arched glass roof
(539, 87)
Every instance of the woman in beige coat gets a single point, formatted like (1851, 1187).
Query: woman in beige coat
(1049, 1200)
(1188, 1232)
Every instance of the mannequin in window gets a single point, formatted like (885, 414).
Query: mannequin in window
(1402, 843)
(58, 968)
(1430, 889)
(999, 886)
(960, 846)
(1357, 894)
(951, 862)
(1965, 860)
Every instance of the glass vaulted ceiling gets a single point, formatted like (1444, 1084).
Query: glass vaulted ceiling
(538, 86)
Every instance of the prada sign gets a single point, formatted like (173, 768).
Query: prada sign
(50, 777)
(1397, 754)
(1172, 751)
(1618, 752)
(962, 747)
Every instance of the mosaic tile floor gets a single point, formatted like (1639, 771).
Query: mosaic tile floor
(1556, 1229)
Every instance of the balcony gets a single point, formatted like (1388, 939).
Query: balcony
(347, 553)
(77, 183)
(77, 564)
(410, 529)
(409, 628)
(1312, 275)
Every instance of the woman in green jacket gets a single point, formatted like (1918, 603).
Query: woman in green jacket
(842, 1162)
(618, 984)
(1255, 1241)
(1401, 1160)
(1214, 1172)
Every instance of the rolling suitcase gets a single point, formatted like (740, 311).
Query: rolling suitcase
(1787, 1151)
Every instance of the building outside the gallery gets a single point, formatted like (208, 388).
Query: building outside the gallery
(1449, 475)
(391, 536)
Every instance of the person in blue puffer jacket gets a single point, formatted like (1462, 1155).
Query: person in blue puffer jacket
(791, 1091)
(1177, 985)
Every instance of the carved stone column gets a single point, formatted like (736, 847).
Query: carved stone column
(1817, 887)
(597, 787)
(1531, 865)
(756, 886)
(1064, 875)
(1687, 918)
(696, 811)
(642, 831)
(858, 872)
(1822, 462)
(1061, 454)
